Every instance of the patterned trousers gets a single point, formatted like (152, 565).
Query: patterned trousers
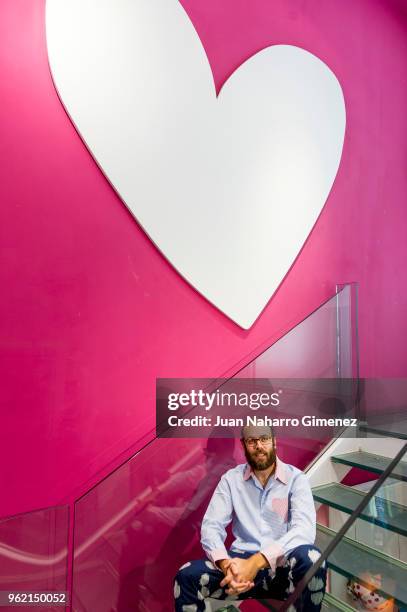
(197, 580)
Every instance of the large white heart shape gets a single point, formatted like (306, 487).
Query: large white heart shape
(227, 187)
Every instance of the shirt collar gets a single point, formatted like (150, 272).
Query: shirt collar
(280, 473)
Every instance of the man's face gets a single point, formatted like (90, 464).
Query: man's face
(259, 455)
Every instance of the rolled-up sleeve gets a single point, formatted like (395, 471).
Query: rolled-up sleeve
(301, 526)
(217, 517)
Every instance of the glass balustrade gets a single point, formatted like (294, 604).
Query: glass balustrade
(140, 524)
(33, 558)
(133, 530)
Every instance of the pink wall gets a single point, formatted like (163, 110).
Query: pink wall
(90, 311)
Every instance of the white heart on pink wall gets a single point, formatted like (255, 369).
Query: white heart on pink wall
(229, 187)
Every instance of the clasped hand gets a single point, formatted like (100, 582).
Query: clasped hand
(239, 574)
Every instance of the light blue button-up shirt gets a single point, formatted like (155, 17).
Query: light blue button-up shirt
(272, 520)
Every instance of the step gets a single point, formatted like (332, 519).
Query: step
(372, 463)
(352, 559)
(389, 422)
(346, 499)
(331, 602)
(391, 430)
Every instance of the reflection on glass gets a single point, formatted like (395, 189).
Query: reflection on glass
(33, 552)
(136, 528)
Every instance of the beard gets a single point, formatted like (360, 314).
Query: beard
(260, 459)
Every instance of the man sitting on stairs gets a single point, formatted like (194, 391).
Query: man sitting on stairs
(273, 519)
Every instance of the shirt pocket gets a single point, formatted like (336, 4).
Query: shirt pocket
(279, 505)
(276, 515)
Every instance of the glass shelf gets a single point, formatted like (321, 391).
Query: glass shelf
(391, 430)
(353, 560)
(372, 463)
(333, 603)
(391, 515)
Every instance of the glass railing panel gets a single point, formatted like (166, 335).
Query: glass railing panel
(313, 348)
(347, 331)
(364, 545)
(139, 525)
(33, 556)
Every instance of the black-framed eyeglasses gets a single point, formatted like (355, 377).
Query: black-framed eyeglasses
(264, 440)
